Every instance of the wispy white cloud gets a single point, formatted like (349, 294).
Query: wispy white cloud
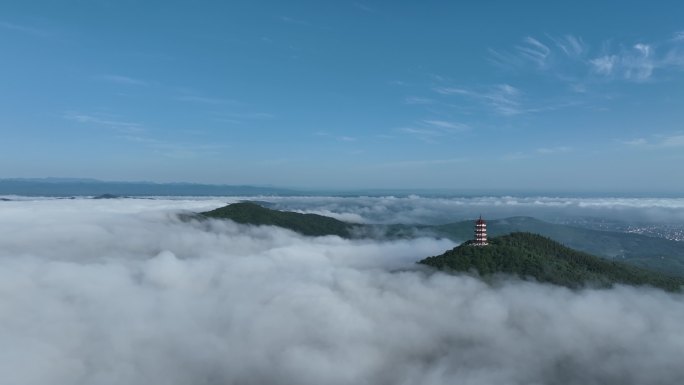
(639, 66)
(292, 20)
(674, 58)
(346, 139)
(534, 51)
(572, 46)
(639, 62)
(423, 162)
(417, 100)
(237, 114)
(426, 135)
(333, 136)
(454, 91)
(119, 125)
(452, 126)
(604, 65)
(505, 99)
(23, 29)
(553, 150)
(178, 150)
(125, 80)
(636, 142)
(539, 53)
(364, 7)
(569, 58)
(430, 130)
(657, 142)
(504, 59)
(516, 156)
(207, 100)
(673, 141)
(502, 98)
(246, 115)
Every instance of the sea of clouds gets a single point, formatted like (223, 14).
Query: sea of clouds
(123, 292)
(433, 210)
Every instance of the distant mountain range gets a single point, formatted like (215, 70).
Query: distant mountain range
(655, 254)
(64, 187)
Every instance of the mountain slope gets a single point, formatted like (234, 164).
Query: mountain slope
(639, 250)
(531, 255)
(636, 249)
(306, 224)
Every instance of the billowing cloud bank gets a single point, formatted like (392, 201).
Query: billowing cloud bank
(121, 292)
(428, 210)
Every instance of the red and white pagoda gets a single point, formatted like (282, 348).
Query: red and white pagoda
(480, 232)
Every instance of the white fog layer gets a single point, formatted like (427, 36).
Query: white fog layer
(417, 209)
(105, 292)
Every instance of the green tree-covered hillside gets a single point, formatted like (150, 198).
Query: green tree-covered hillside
(528, 255)
(651, 253)
(305, 224)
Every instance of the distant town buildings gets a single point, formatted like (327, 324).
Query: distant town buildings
(480, 232)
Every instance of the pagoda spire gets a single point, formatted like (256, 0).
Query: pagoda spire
(480, 232)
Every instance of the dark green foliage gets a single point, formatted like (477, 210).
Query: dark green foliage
(639, 250)
(642, 251)
(530, 255)
(107, 196)
(306, 224)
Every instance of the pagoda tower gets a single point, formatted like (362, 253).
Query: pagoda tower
(480, 232)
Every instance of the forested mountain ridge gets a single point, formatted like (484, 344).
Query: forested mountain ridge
(528, 255)
(639, 250)
(305, 224)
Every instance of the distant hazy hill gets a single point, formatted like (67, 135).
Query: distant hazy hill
(635, 249)
(531, 255)
(90, 187)
(306, 224)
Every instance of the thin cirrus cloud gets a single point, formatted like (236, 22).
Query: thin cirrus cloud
(418, 100)
(534, 51)
(338, 138)
(636, 63)
(104, 121)
(124, 80)
(570, 58)
(660, 141)
(554, 150)
(207, 100)
(529, 51)
(178, 150)
(28, 30)
(452, 126)
(422, 163)
(432, 130)
(292, 20)
(572, 46)
(542, 151)
(546, 53)
(504, 99)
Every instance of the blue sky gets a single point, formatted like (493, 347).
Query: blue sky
(346, 94)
